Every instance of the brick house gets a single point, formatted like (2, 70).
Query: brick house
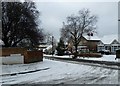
(86, 44)
(95, 44)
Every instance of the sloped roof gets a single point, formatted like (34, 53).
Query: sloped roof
(115, 42)
(92, 38)
(108, 39)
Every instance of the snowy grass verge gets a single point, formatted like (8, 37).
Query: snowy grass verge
(109, 58)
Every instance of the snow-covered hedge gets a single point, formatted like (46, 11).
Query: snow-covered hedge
(90, 55)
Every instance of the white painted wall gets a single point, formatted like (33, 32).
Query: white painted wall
(13, 59)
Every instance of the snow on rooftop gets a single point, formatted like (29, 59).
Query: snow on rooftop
(107, 39)
(92, 37)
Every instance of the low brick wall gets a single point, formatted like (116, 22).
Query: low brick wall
(33, 56)
(8, 51)
(28, 56)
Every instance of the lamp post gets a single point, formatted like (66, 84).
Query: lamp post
(52, 44)
(119, 30)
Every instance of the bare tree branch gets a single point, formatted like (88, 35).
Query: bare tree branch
(77, 25)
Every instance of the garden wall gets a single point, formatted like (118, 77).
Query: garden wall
(19, 55)
(33, 56)
(12, 59)
(8, 51)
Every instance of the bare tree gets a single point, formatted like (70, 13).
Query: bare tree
(77, 25)
(48, 38)
(19, 22)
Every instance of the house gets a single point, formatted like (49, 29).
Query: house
(115, 45)
(111, 47)
(86, 44)
(109, 43)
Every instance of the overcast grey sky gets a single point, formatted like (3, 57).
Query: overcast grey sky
(54, 13)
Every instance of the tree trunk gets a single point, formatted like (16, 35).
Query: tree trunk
(6, 44)
(76, 52)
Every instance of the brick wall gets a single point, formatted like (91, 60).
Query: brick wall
(8, 51)
(29, 56)
(33, 56)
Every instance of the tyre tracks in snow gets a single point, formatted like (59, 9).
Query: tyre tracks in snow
(95, 75)
(104, 64)
(99, 73)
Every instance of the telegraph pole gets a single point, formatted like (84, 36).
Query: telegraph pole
(52, 44)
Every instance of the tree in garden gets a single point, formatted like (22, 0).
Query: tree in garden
(60, 47)
(77, 25)
(48, 38)
(19, 22)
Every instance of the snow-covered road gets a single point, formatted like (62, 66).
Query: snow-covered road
(58, 73)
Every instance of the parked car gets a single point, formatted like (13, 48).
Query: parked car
(67, 53)
(106, 52)
(102, 52)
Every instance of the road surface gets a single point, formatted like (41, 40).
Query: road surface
(65, 73)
